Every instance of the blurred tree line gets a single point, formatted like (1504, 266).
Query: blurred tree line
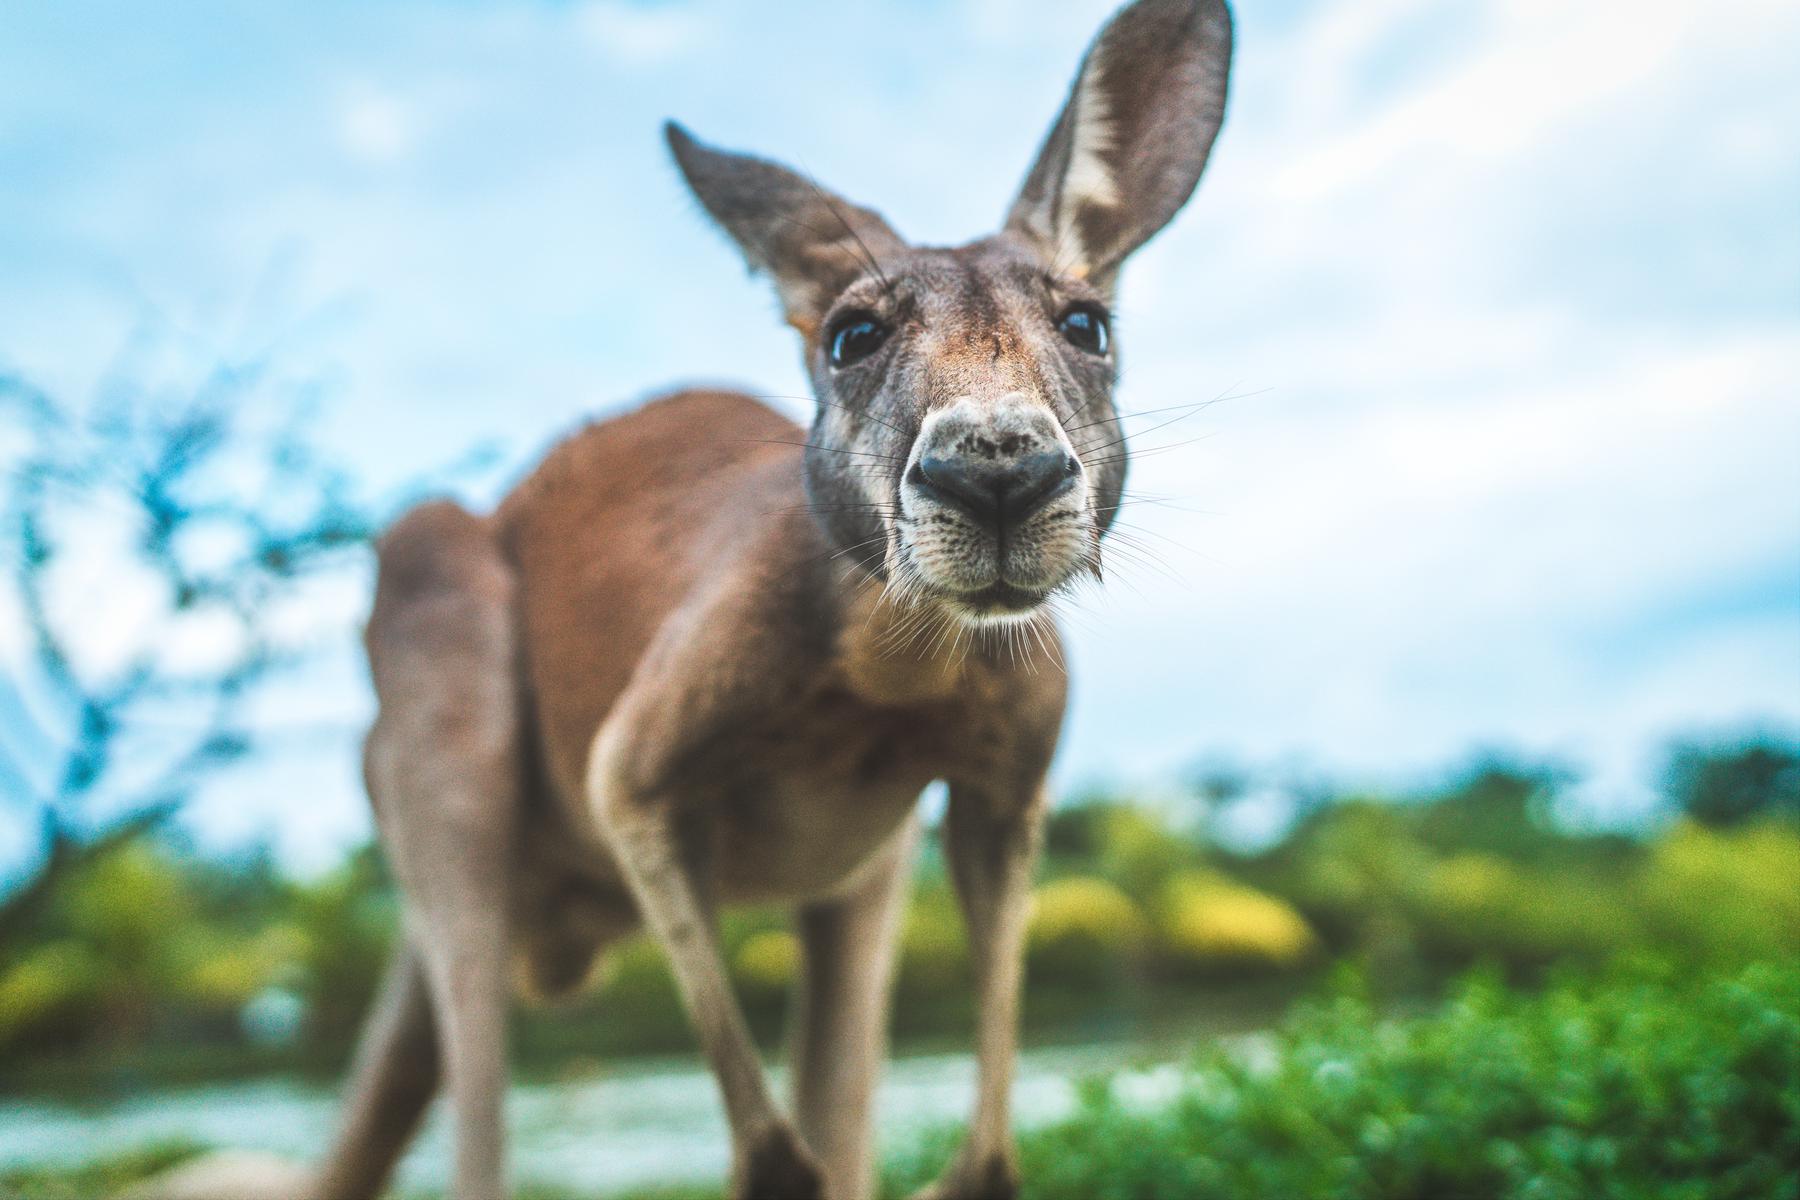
(163, 962)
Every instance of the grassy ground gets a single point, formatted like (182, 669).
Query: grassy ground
(1645, 1085)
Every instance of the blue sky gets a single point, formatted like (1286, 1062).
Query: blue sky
(1507, 294)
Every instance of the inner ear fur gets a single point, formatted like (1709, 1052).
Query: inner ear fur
(811, 242)
(1129, 146)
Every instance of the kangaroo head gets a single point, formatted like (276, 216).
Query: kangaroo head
(966, 447)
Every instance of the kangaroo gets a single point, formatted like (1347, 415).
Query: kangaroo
(701, 656)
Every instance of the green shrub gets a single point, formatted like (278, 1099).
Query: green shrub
(52, 994)
(124, 903)
(1354, 870)
(342, 932)
(934, 949)
(1084, 932)
(224, 972)
(1731, 896)
(1735, 781)
(636, 972)
(1640, 1088)
(766, 965)
(1476, 907)
(126, 908)
(1138, 851)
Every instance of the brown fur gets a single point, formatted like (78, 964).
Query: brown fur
(794, 703)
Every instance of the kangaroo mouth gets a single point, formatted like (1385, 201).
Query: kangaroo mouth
(997, 600)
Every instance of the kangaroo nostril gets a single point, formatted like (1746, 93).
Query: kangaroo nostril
(1036, 480)
(966, 483)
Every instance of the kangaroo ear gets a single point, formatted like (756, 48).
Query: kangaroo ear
(812, 243)
(1126, 152)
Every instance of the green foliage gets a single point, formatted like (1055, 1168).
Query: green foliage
(1640, 1088)
(934, 952)
(123, 902)
(123, 907)
(1475, 906)
(54, 992)
(766, 965)
(637, 991)
(141, 945)
(338, 930)
(1084, 932)
(1643, 1085)
(1353, 870)
(1415, 894)
(1710, 897)
(1733, 783)
(1137, 850)
(634, 1004)
(1496, 807)
(111, 946)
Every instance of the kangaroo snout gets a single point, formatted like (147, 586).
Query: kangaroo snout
(997, 464)
(996, 492)
(995, 501)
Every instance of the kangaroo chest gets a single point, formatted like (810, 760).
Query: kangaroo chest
(800, 802)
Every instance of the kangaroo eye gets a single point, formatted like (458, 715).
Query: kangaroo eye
(1085, 329)
(855, 338)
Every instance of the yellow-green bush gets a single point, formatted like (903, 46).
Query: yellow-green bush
(1137, 849)
(1472, 883)
(221, 969)
(225, 972)
(346, 921)
(1476, 906)
(1352, 870)
(767, 964)
(636, 970)
(53, 988)
(934, 951)
(1083, 931)
(637, 991)
(124, 906)
(1724, 896)
(1209, 923)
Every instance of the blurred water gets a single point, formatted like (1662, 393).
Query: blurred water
(613, 1128)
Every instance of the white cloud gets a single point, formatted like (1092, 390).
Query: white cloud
(1539, 67)
(642, 33)
(375, 126)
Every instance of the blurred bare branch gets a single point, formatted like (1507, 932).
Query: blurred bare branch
(154, 548)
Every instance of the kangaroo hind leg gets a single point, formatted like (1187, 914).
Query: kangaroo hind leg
(444, 769)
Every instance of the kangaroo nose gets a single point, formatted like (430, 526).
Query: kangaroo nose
(998, 493)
